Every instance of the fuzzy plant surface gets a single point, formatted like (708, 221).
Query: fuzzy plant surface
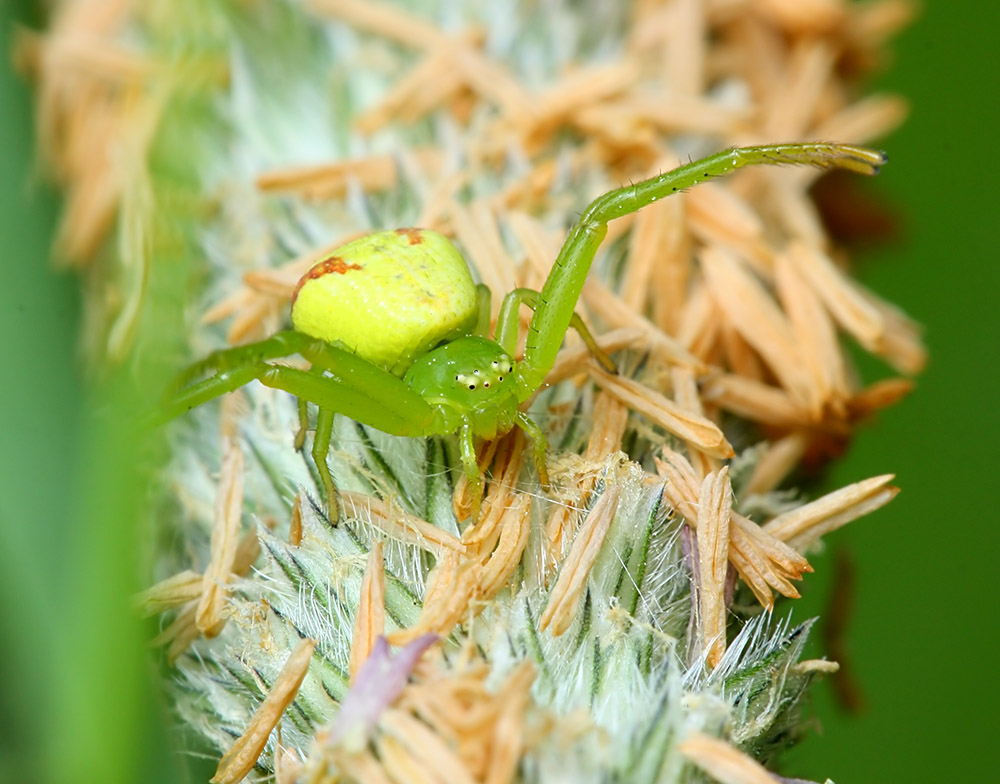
(620, 625)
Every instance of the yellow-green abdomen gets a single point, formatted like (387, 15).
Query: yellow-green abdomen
(390, 297)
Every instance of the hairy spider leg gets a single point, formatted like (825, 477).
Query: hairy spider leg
(538, 443)
(558, 297)
(338, 381)
(467, 447)
(373, 393)
(467, 444)
(232, 368)
(508, 323)
(483, 296)
(505, 335)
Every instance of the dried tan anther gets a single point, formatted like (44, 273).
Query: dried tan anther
(331, 180)
(491, 551)
(225, 539)
(659, 260)
(451, 587)
(369, 622)
(817, 336)
(698, 324)
(870, 118)
(184, 590)
(755, 400)
(539, 244)
(610, 417)
(260, 319)
(242, 755)
(696, 431)
(579, 475)
(715, 506)
(399, 525)
(686, 395)
(778, 461)
(802, 527)
(506, 455)
(508, 741)
(89, 108)
(719, 215)
(610, 308)
(877, 396)
(177, 637)
(796, 100)
(724, 763)
(288, 766)
(361, 766)
(564, 600)
(446, 726)
(500, 564)
(462, 499)
(478, 231)
(876, 325)
(746, 304)
(494, 83)
(427, 86)
(761, 560)
(822, 666)
(581, 89)
(384, 20)
(295, 523)
(176, 590)
(414, 752)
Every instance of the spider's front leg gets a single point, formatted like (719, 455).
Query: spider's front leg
(558, 297)
(230, 369)
(338, 382)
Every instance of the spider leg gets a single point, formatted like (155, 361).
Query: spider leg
(219, 384)
(408, 414)
(507, 326)
(232, 368)
(338, 381)
(539, 446)
(467, 445)
(300, 435)
(281, 344)
(562, 288)
(483, 297)
(320, 450)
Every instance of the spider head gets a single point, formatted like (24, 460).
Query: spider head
(471, 376)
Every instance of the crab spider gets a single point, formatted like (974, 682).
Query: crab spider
(395, 330)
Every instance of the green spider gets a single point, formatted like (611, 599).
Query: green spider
(396, 332)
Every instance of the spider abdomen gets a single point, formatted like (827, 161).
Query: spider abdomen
(389, 297)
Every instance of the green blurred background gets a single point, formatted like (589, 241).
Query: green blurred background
(923, 628)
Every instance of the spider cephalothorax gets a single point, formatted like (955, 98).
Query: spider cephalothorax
(395, 330)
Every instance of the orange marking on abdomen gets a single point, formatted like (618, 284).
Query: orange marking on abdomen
(415, 236)
(332, 265)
